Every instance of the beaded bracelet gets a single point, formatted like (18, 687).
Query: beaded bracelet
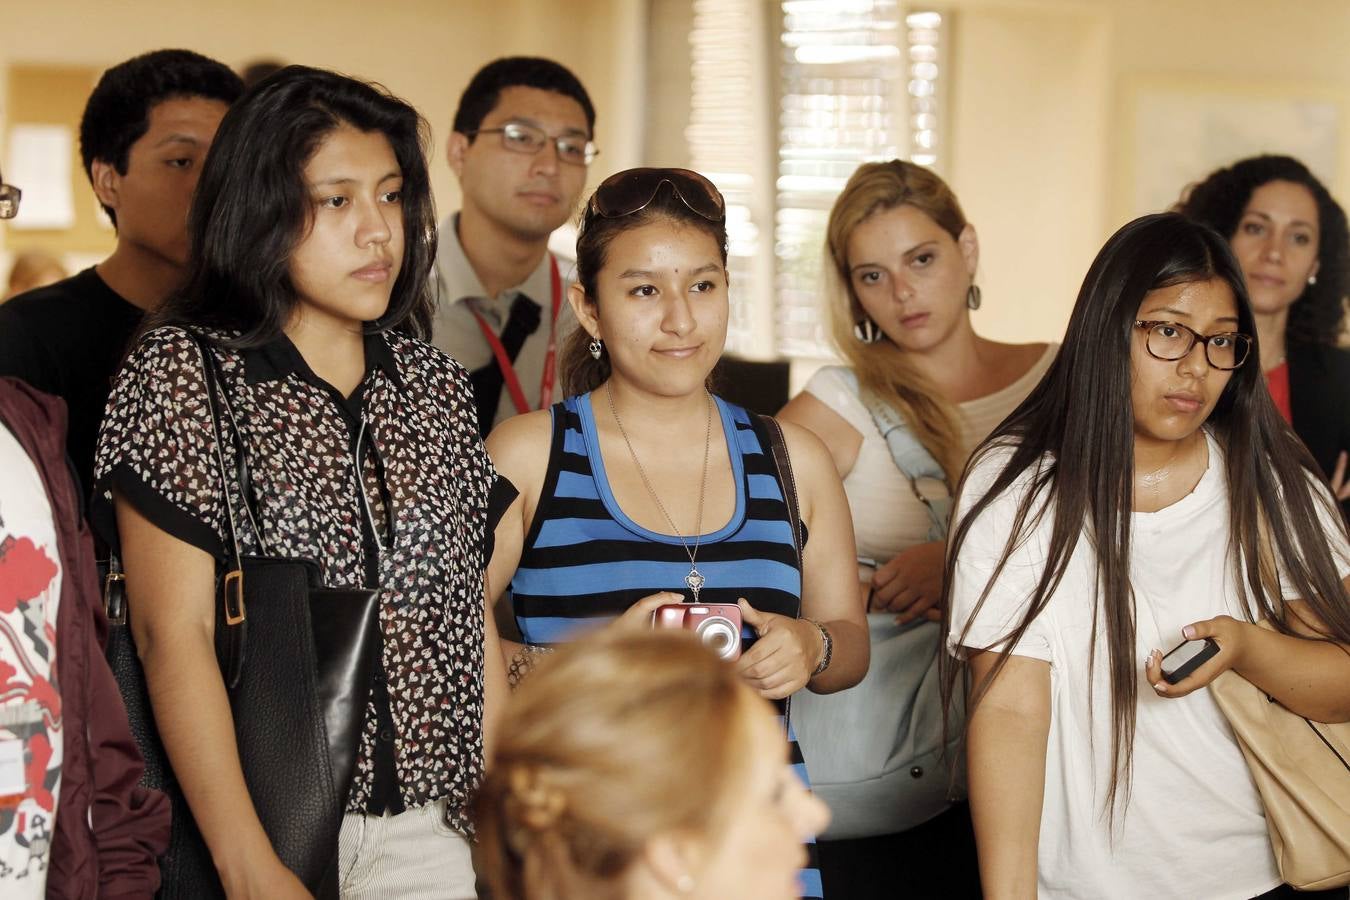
(523, 663)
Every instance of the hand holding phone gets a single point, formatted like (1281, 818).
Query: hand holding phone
(1186, 657)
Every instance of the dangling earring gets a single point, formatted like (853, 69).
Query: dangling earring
(866, 331)
(596, 348)
(973, 298)
(1312, 279)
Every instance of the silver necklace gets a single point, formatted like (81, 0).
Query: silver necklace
(694, 580)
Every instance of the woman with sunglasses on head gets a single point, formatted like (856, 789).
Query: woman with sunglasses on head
(643, 489)
(1146, 492)
(902, 262)
(1290, 237)
(312, 238)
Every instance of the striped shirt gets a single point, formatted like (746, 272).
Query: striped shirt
(585, 561)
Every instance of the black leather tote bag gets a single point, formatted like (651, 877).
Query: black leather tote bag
(298, 659)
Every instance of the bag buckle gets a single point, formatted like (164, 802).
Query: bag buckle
(235, 613)
(114, 598)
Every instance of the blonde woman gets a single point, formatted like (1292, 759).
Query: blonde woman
(640, 766)
(918, 391)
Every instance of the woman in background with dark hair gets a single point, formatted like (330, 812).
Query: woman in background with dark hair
(312, 236)
(1289, 235)
(643, 489)
(1133, 501)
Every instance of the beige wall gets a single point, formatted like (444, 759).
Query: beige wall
(1041, 90)
(424, 50)
(1042, 120)
(1027, 138)
(1237, 47)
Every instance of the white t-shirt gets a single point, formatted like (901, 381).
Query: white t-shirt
(1193, 827)
(30, 715)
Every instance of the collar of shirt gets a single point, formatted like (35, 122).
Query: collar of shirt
(279, 358)
(459, 282)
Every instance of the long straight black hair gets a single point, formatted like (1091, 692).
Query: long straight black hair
(252, 207)
(1074, 434)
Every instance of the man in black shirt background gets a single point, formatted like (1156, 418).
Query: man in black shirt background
(143, 137)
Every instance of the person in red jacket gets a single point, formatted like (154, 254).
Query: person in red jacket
(79, 820)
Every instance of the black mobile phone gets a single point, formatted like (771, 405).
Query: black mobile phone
(1186, 657)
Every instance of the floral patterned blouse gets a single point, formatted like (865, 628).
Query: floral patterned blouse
(428, 482)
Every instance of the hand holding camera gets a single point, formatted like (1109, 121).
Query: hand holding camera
(777, 665)
(781, 662)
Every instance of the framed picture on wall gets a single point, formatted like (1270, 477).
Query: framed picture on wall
(1183, 128)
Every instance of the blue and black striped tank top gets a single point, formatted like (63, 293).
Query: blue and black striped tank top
(584, 561)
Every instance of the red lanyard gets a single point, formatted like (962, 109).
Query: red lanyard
(504, 361)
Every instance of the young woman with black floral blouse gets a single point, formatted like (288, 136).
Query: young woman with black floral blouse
(312, 241)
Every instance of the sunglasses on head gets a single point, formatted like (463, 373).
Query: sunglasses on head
(628, 192)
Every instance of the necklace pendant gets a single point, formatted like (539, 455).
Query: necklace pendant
(694, 581)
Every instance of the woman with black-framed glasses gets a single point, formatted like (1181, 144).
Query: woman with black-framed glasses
(643, 489)
(1118, 511)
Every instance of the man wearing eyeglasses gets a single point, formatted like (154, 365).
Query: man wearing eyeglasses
(520, 147)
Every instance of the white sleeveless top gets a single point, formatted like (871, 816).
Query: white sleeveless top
(887, 517)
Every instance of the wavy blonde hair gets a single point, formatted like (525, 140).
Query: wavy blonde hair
(608, 744)
(883, 367)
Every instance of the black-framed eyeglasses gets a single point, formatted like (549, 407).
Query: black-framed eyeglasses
(1171, 341)
(9, 201)
(521, 137)
(627, 192)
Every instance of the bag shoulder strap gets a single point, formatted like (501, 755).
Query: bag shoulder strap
(211, 377)
(783, 463)
(113, 602)
(911, 457)
(232, 593)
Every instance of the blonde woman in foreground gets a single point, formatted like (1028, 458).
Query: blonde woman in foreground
(631, 767)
